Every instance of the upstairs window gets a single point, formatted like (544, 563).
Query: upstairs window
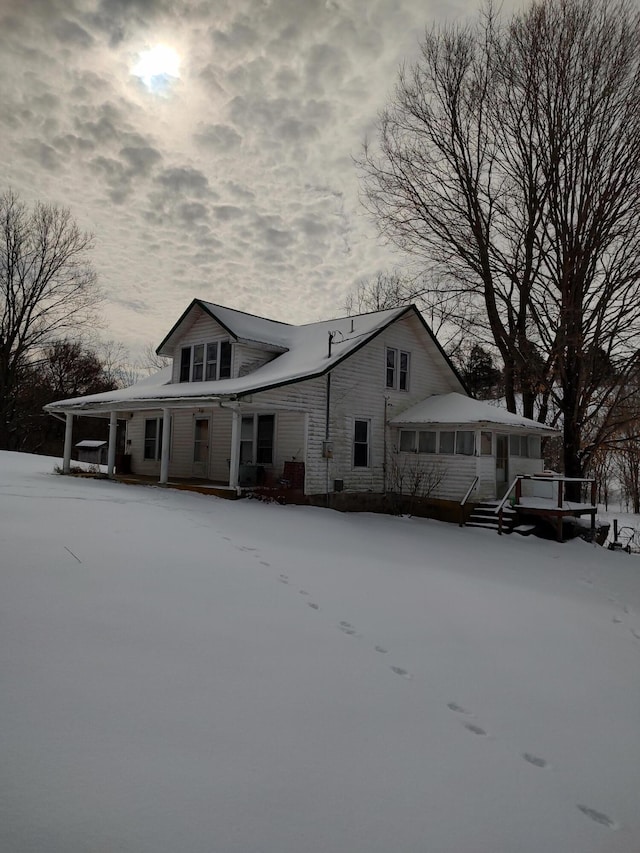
(185, 364)
(205, 362)
(197, 371)
(212, 361)
(397, 369)
(403, 376)
(225, 360)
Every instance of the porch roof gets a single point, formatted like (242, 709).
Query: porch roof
(457, 410)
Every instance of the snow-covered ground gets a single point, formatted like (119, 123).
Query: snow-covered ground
(182, 674)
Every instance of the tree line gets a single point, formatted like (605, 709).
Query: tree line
(49, 297)
(508, 164)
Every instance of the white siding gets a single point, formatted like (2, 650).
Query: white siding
(521, 465)
(246, 359)
(486, 489)
(204, 330)
(358, 390)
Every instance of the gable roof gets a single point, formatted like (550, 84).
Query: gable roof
(305, 353)
(448, 409)
(247, 328)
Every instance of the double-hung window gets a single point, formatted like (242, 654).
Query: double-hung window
(361, 441)
(256, 439)
(197, 370)
(209, 362)
(152, 438)
(397, 369)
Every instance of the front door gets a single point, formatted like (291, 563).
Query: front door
(502, 464)
(201, 432)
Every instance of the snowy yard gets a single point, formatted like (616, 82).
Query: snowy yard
(182, 674)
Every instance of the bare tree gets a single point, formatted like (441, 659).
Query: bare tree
(509, 161)
(150, 362)
(47, 290)
(447, 318)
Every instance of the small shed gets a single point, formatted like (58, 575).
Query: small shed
(93, 451)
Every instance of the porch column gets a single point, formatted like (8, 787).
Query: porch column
(68, 436)
(111, 454)
(164, 450)
(235, 449)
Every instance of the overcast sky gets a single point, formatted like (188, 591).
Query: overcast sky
(233, 181)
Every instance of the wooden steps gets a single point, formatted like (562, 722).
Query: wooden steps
(484, 515)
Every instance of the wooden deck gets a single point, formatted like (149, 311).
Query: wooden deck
(554, 507)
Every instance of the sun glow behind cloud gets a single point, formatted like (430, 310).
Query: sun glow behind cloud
(157, 67)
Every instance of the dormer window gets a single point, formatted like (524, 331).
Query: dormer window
(205, 362)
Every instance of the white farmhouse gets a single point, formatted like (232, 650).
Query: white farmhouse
(355, 404)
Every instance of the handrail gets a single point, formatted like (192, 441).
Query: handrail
(500, 506)
(469, 490)
(499, 509)
(466, 498)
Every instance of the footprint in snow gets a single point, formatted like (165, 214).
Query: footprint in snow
(453, 706)
(598, 817)
(535, 760)
(475, 729)
(400, 671)
(263, 563)
(313, 605)
(617, 620)
(380, 649)
(303, 592)
(283, 579)
(347, 628)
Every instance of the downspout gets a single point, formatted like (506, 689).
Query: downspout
(327, 422)
(384, 447)
(326, 435)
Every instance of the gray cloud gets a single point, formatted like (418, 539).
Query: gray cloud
(184, 179)
(44, 154)
(227, 212)
(72, 34)
(140, 159)
(229, 182)
(220, 137)
(192, 211)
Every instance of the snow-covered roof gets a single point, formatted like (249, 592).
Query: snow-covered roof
(306, 355)
(240, 325)
(457, 409)
(91, 442)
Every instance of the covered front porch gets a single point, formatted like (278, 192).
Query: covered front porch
(220, 446)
